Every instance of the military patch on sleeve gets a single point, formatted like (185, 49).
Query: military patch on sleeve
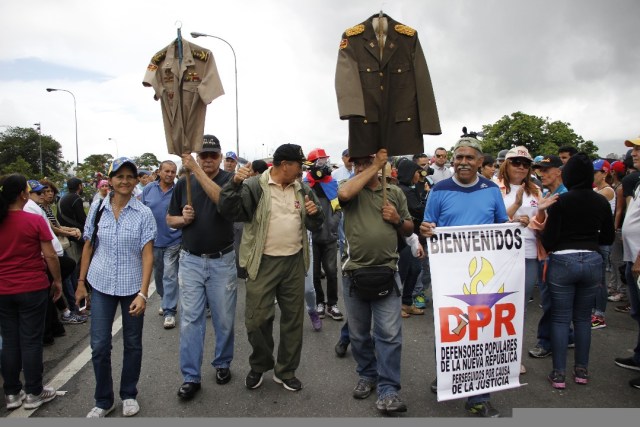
(158, 57)
(403, 29)
(152, 67)
(354, 31)
(200, 54)
(344, 43)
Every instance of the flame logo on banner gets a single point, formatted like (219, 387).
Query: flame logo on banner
(479, 274)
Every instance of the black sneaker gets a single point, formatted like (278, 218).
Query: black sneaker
(321, 310)
(334, 312)
(391, 403)
(434, 386)
(635, 383)
(481, 409)
(253, 380)
(341, 348)
(223, 375)
(627, 362)
(557, 380)
(539, 352)
(291, 384)
(363, 389)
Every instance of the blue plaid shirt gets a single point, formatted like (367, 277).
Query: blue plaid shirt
(116, 267)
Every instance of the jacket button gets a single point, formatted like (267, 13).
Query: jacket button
(365, 121)
(381, 74)
(368, 70)
(408, 119)
(399, 70)
(381, 87)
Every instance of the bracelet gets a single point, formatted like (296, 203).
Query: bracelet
(80, 280)
(141, 295)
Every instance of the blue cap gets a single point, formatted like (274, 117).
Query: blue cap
(231, 155)
(118, 163)
(34, 186)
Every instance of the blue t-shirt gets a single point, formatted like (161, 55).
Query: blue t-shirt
(155, 199)
(450, 204)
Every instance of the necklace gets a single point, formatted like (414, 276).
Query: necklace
(116, 209)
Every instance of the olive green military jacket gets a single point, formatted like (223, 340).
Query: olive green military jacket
(250, 202)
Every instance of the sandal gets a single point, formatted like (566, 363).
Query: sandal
(412, 309)
(404, 314)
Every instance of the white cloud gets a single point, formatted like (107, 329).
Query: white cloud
(569, 60)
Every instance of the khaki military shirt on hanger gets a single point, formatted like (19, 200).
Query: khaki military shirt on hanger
(184, 92)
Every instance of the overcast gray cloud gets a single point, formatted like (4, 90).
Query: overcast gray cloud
(569, 60)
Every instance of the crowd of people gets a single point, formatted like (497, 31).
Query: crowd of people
(281, 228)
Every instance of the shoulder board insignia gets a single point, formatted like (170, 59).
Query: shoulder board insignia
(158, 57)
(354, 31)
(200, 54)
(344, 43)
(403, 29)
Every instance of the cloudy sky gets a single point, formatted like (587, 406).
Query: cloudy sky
(570, 60)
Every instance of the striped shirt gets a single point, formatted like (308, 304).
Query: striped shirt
(116, 267)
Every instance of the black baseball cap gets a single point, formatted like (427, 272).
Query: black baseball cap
(289, 152)
(210, 144)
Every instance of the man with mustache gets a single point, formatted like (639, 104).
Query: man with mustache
(465, 199)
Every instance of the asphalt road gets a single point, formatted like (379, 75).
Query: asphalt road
(327, 379)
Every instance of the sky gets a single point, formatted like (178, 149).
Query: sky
(576, 61)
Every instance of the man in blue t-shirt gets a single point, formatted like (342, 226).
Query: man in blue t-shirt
(166, 247)
(465, 199)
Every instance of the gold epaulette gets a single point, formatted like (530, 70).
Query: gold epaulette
(202, 55)
(159, 57)
(354, 31)
(403, 29)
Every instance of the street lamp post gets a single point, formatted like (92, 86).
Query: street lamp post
(40, 143)
(75, 115)
(235, 65)
(116, 141)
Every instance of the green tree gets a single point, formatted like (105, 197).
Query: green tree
(24, 143)
(538, 134)
(146, 161)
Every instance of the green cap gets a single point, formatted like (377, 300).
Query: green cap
(468, 141)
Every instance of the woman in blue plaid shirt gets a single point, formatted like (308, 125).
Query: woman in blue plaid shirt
(119, 273)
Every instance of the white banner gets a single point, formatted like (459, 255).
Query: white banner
(477, 273)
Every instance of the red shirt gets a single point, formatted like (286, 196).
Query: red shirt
(22, 267)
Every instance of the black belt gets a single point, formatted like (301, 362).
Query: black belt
(212, 255)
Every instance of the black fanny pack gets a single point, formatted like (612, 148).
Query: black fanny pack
(373, 283)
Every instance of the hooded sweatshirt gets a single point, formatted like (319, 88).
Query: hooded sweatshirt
(415, 204)
(581, 218)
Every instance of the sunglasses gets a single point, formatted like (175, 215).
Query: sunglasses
(519, 162)
(441, 156)
(209, 155)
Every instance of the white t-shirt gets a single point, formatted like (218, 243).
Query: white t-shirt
(530, 208)
(631, 229)
(33, 207)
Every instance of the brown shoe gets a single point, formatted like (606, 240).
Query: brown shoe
(623, 308)
(412, 309)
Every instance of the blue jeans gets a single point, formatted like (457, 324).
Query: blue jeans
(382, 364)
(602, 293)
(103, 313)
(213, 282)
(634, 300)
(165, 272)
(22, 325)
(573, 280)
(424, 278)
(544, 324)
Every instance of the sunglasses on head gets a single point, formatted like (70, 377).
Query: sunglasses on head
(520, 162)
(209, 155)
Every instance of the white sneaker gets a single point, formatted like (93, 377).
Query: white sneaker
(160, 311)
(169, 322)
(99, 412)
(130, 407)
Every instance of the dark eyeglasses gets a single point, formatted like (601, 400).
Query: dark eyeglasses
(441, 156)
(209, 155)
(39, 193)
(520, 162)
